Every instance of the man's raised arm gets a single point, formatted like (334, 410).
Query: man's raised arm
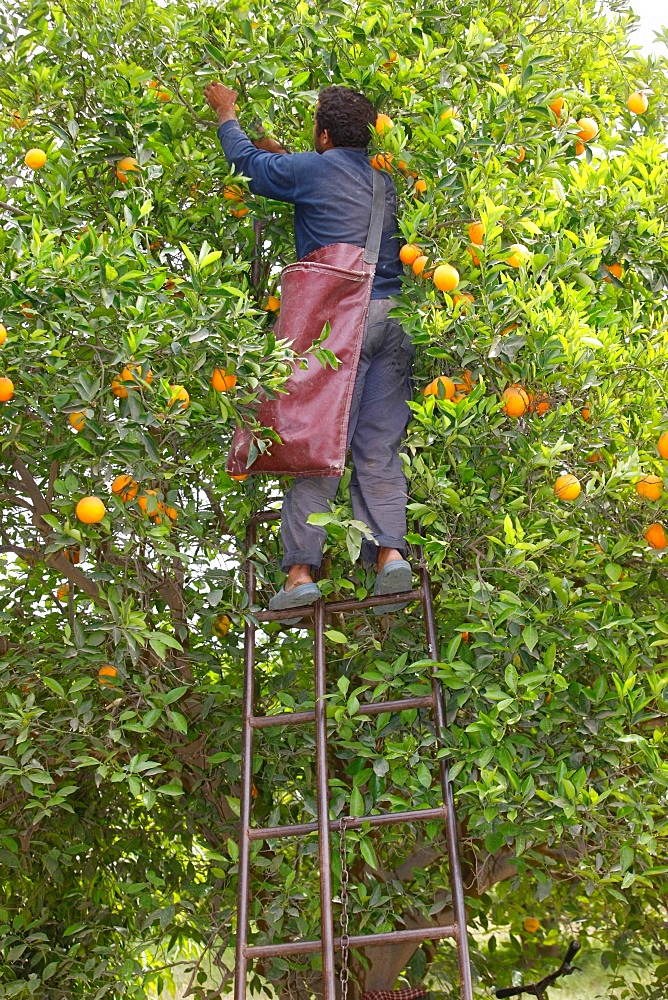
(264, 161)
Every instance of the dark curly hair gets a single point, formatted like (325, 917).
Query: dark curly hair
(347, 116)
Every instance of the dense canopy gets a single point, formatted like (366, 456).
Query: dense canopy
(133, 266)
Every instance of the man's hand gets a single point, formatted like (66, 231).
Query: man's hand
(269, 145)
(222, 99)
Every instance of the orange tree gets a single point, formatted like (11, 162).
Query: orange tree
(133, 267)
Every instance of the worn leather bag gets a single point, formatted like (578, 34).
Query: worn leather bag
(331, 285)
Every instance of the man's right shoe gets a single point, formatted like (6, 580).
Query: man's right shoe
(394, 577)
(299, 597)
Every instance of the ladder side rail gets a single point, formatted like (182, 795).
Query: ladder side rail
(322, 787)
(452, 839)
(243, 895)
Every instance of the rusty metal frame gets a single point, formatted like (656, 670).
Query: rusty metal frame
(328, 943)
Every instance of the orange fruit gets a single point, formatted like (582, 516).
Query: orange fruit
(656, 536)
(420, 186)
(588, 129)
(446, 277)
(466, 384)
(449, 113)
(73, 554)
(409, 253)
(557, 106)
(222, 625)
(579, 147)
(239, 213)
(440, 385)
(466, 637)
(518, 255)
(142, 501)
(531, 925)
(507, 329)
(171, 512)
(389, 62)
(474, 256)
(63, 591)
(153, 510)
(233, 192)
(90, 510)
(585, 412)
(515, 401)
(124, 166)
(650, 487)
(637, 103)
(125, 487)
(3, 334)
(662, 445)
(78, 421)
(464, 297)
(614, 269)
(241, 478)
(567, 487)
(178, 392)
(273, 304)
(419, 265)
(477, 233)
(382, 161)
(6, 390)
(383, 124)
(594, 457)
(35, 159)
(131, 375)
(541, 405)
(520, 156)
(16, 121)
(107, 674)
(162, 95)
(221, 381)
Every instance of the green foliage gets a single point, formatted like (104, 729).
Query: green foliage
(119, 799)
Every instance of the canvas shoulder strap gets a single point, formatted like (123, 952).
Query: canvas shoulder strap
(377, 217)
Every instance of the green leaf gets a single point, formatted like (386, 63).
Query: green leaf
(356, 803)
(530, 637)
(368, 853)
(335, 636)
(53, 685)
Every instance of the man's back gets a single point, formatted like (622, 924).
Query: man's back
(331, 192)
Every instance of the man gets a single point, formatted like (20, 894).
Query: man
(331, 191)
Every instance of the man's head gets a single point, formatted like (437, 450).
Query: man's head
(342, 118)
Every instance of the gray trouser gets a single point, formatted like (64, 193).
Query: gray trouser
(378, 418)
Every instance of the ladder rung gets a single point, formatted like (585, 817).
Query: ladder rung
(352, 823)
(337, 607)
(378, 708)
(356, 941)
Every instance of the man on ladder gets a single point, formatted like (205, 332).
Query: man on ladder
(331, 190)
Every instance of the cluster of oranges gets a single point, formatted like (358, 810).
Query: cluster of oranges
(127, 489)
(650, 487)
(235, 194)
(135, 376)
(385, 160)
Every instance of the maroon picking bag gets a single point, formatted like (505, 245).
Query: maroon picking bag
(331, 285)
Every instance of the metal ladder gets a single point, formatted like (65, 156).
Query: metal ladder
(328, 943)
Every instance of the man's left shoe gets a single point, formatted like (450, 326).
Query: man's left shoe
(394, 577)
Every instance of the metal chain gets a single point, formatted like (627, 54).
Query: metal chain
(345, 939)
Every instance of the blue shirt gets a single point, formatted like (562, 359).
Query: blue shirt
(331, 192)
